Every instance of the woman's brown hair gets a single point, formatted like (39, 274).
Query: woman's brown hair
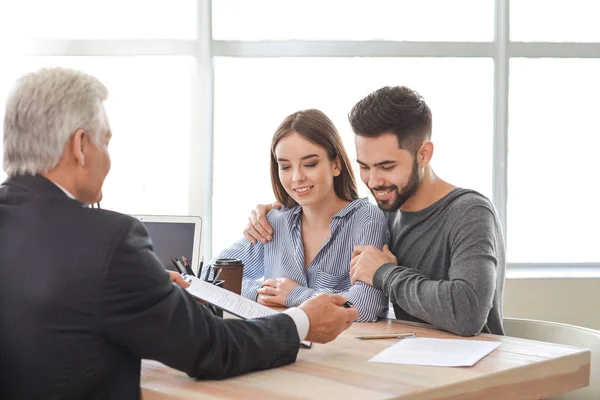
(317, 128)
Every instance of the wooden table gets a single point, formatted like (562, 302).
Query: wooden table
(518, 369)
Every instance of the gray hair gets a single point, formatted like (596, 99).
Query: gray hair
(43, 111)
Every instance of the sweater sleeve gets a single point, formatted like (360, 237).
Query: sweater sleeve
(462, 303)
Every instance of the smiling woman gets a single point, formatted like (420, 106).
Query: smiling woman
(309, 136)
(320, 224)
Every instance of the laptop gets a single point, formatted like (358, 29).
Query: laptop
(174, 236)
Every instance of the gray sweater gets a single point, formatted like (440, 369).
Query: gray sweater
(451, 265)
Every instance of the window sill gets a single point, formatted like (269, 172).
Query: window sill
(540, 271)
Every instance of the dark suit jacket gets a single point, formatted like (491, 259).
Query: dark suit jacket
(83, 298)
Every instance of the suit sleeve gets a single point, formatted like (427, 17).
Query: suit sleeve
(156, 319)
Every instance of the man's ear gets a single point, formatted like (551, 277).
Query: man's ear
(78, 144)
(425, 153)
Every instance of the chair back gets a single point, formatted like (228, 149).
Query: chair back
(570, 335)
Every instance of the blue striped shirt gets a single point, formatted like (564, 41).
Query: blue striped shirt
(358, 223)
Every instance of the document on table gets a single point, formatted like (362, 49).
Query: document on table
(436, 352)
(231, 302)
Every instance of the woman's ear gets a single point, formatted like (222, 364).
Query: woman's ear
(337, 168)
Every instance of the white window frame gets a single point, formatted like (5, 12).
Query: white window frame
(204, 48)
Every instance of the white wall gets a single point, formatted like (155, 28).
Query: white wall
(568, 300)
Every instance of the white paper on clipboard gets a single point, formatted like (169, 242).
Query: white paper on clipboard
(229, 301)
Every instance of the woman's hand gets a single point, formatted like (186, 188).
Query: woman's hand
(274, 292)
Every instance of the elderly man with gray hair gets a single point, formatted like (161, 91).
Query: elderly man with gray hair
(83, 297)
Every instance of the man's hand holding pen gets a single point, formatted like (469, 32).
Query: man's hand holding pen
(327, 317)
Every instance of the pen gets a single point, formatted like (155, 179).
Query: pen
(347, 304)
(200, 268)
(178, 265)
(209, 267)
(217, 276)
(386, 336)
(187, 266)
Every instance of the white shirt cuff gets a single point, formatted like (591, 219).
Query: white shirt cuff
(301, 320)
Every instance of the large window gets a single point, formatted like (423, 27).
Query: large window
(555, 21)
(197, 88)
(424, 20)
(96, 20)
(150, 94)
(553, 214)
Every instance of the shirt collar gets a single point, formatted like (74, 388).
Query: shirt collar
(69, 195)
(294, 216)
(350, 207)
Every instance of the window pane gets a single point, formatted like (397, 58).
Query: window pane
(555, 21)
(553, 213)
(149, 110)
(106, 19)
(459, 20)
(252, 96)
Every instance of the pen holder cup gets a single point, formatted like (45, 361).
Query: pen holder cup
(231, 270)
(214, 309)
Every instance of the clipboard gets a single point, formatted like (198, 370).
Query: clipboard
(228, 301)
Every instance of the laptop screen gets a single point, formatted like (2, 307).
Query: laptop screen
(174, 236)
(172, 239)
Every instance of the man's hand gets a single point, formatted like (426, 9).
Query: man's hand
(258, 227)
(178, 279)
(327, 317)
(274, 292)
(366, 260)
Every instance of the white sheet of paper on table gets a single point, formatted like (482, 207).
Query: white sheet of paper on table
(436, 352)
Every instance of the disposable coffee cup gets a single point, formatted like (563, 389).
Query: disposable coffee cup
(231, 271)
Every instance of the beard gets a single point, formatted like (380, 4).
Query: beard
(401, 195)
